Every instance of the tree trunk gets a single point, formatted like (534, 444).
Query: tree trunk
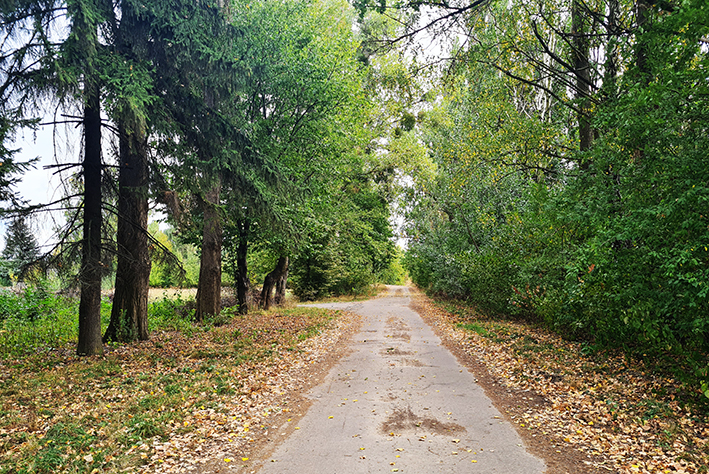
(582, 71)
(89, 342)
(281, 285)
(271, 280)
(129, 314)
(610, 66)
(243, 284)
(642, 8)
(209, 288)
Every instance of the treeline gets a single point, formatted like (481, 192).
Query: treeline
(251, 124)
(572, 174)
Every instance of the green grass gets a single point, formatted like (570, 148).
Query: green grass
(60, 413)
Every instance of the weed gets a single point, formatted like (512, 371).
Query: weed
(475, 327)
(144, 427)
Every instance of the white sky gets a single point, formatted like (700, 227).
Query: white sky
(39, 185)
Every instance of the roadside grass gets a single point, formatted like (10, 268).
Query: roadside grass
(60, 413)
(602, 401)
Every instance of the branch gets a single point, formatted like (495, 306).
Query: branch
(454, 11)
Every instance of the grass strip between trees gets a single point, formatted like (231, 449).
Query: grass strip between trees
(61, 413)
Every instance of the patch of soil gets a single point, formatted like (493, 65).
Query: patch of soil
(404, 419)
(397, 324)
(395, 351)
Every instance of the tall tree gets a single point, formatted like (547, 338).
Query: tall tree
(210, 269)
(129, 312)
(82, 51)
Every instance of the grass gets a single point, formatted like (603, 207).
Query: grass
(60, 413)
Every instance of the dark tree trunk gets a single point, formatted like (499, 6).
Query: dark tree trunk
(582, 70)
(210, 269)
(271, 281)
(281, 285)
(642, 13)
(243, 284)
(610, 66)
(129, 314)
(89, 342)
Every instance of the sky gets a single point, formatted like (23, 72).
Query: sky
(39, 185)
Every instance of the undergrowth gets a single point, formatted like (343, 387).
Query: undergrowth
(60, 413)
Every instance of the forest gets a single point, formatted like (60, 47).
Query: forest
(252, 127)
(541, 161)
(571, 183)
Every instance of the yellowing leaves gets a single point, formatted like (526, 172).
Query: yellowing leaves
(605, 406)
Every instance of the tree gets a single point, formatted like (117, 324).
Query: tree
(82, 51)
(129, 312)
(21, 249)
(298, 113)
(570, 177)
(210, 269)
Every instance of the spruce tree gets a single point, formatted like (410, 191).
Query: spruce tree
(21, 248)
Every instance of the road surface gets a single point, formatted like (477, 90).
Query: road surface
(400, 402)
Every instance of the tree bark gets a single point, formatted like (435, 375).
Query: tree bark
(642, 8)
(129, 314)
(243, 284)
(271, 281)
(610, 66)
(209, 288)
(582, 71)
(89, 341)
(280, 299)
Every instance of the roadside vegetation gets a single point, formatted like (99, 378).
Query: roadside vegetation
(63, 413)
(621, 413)
(571, 177)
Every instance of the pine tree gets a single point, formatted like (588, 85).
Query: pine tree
(21, 248)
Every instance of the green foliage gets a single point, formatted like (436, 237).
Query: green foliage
(394, 273)
(166, 273)
(37, 320)
(345, 255)
(171, 313)
(608, 245)
(21, 250)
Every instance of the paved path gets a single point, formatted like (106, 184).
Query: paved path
(400, 402)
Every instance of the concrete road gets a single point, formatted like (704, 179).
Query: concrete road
(400, 402)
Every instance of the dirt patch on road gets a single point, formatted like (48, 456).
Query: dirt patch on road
(404, 419)
(395, 351)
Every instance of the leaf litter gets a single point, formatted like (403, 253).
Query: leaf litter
(615, 414)
(181, 402)
(208, 401)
